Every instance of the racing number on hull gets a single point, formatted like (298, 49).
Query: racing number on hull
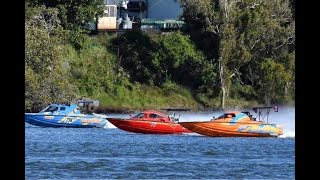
(68, 120)
(152, 124)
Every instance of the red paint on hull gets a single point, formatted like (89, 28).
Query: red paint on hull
(148, 127)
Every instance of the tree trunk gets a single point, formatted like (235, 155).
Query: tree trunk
(223, 96)
(222, 81)
(286, 88)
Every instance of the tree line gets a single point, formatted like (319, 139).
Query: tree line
(232, 51)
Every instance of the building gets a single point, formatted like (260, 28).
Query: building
(128, 14)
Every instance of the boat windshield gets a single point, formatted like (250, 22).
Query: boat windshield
(51, 109)
(140, 115)
(220, 117)
(223, 116)
(155, 116)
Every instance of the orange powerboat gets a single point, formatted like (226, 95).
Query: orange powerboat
(237, 124)
(150, 122)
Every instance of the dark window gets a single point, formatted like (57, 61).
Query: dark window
(51, 109)
(155, 116)
(140, 115)
(62, 108)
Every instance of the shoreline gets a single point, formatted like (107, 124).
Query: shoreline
(119, 110)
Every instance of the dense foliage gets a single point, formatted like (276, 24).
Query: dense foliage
(74, 16)
(251, 42)
(233, 53)
(46, 70)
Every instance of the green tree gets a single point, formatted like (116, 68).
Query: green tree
(95, 69)
(154, 59)
(75, 16)
(244, 33)
(46, 71)
(267, 29)
(273, 82)
(177, 59)
(134, 51)
(74, 13)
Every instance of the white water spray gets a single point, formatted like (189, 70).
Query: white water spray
(285, 117)
(109, 125)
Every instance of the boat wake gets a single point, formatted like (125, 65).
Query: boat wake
(191, 134)
(285, 118)
(287, 135)
(109, 125)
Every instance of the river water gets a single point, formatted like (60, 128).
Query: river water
(67, 153)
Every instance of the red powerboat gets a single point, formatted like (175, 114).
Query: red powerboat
(150, 122)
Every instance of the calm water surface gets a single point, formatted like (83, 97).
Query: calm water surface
(67, 153)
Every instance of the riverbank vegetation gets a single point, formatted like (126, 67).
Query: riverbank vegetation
(232, 54)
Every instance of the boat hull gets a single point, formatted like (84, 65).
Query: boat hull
(148, 127)
(72, 121)
(226, 129)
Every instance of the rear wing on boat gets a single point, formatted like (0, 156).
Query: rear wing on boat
(275, 108)
(175, 109)
(263, 112)
(86, 105)
(173, 116)
(88, 102)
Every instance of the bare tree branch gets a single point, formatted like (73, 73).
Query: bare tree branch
(255, 44)
(254, 6)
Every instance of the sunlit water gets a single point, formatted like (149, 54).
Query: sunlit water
(67, 153)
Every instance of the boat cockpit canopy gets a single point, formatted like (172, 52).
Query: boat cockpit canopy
(51, 108)
(140, 115)
(62, 108)
(227, 115)
(145, 115)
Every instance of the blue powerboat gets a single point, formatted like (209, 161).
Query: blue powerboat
(67, 115)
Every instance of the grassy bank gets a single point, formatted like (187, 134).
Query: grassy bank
(144, 97)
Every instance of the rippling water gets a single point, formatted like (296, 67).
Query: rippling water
(55, 153)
